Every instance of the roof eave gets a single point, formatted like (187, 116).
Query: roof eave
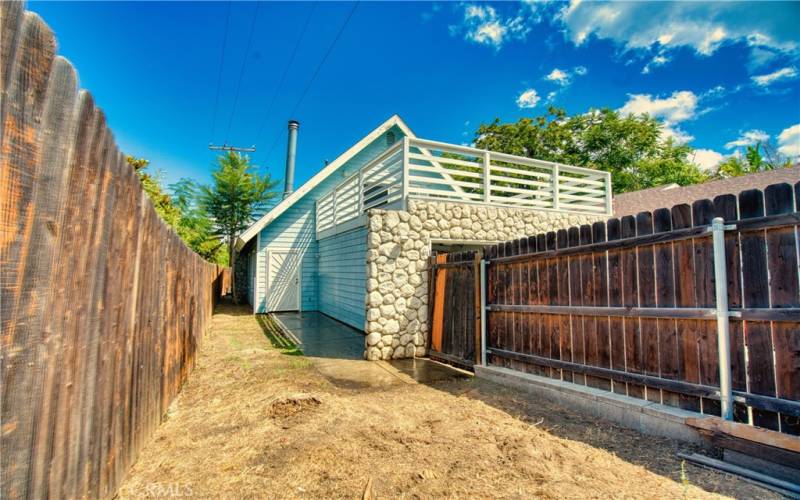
(320, 176)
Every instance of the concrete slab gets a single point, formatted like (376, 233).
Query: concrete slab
(322, 336)
(356, 374)
(425, 371)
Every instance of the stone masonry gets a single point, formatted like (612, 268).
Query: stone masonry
(398, 247)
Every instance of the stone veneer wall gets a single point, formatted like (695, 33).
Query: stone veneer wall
(398, 247)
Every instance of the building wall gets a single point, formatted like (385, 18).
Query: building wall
(295, 229)
(397, 262)
(251, 276)
(341, 275)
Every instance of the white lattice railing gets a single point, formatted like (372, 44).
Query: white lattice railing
(422, 169)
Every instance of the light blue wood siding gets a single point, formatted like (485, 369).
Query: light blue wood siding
(295, 229)
(342, 276)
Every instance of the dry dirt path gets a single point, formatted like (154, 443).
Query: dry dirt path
(257, 421)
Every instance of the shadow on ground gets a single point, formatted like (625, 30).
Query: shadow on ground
(276, 336)
(656, 454)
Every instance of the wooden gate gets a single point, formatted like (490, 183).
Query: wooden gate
(455, 308)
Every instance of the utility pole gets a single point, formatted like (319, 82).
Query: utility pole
(225, 147)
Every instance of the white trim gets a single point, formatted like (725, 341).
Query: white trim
(320, 176)
(299, 276)
(255, 274)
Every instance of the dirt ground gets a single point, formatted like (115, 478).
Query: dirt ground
(257, 420)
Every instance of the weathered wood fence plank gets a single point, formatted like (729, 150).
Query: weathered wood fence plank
(103, 306)
(627, 305)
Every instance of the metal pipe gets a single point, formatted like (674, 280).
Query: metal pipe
(772, 482)
(723, 325)
(484, 312)
(291, 154)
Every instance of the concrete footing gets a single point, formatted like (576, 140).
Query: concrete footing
(644, 416)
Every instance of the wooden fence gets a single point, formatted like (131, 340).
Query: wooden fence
(628, 305)
(454, 304)
(103, 307)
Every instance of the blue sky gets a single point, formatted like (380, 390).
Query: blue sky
(720, 75)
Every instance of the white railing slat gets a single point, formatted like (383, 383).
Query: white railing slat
(418, 168)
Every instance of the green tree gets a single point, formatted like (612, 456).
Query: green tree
(184, 216)
(759, 157)
(236, 197)
(151, 184)
(195, 226)
(630, 147)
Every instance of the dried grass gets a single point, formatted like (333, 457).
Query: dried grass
(254, 421)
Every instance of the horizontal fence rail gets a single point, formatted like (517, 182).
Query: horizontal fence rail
(103, 306)
(630, 305)
(423, 169)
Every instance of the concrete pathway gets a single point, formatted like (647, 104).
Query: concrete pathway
(321, 336)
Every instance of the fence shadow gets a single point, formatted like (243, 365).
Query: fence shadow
(276, 337)
(656, 454)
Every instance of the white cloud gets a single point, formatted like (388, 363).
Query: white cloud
(672, 110)
(658, 60)
(789, 142)
(702, 26)
(769, 78)
(559, 76)
(482, 24)
(564, 77)
(672, 131)
(707, 159)
(528, 99)
(678, 107)
(748, 139)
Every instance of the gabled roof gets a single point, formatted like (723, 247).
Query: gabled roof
(320, 176)
(670, 195)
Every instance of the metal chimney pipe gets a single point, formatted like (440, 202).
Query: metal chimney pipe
(291, 153)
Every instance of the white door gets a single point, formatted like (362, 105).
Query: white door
(283, 285)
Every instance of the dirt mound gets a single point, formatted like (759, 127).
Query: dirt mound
(285, 408)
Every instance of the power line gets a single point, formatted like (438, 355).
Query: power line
(221, 65)
(324, 58)
(316, 72)
(286, 69)
(241, 72)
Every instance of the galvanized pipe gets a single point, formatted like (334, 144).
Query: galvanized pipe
(291, 154)
(723, 325)
(484, 312)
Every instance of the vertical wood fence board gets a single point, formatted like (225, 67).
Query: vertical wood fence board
(600, 271)
(634, 359)
(686, 329)
(647, 298)
(665, 297)
(562, 289)
(755, 285)
(615, 299)
(783, 272)
(703, 214)
(84, 274)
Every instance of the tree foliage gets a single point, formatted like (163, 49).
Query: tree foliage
(185, 217)
(236, 197)
(631, 148)
(757, 158)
